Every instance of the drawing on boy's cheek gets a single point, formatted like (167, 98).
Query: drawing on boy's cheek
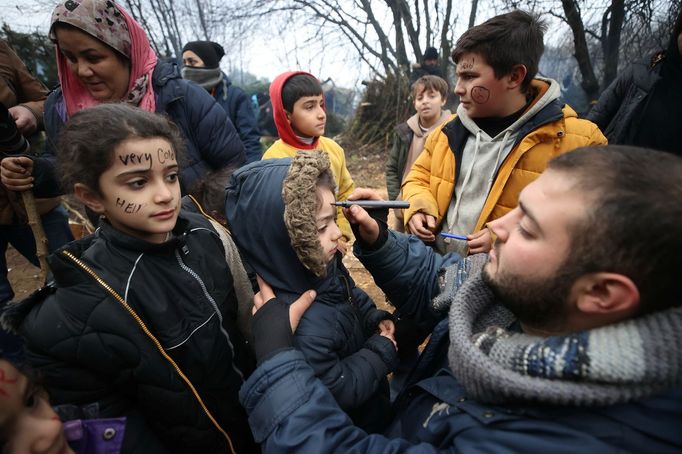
(128, 207)
(165, 155)
(136, 158)
(480, 95)
(5, 379)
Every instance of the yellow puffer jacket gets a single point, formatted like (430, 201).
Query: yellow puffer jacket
(337, 160)
(431, 182)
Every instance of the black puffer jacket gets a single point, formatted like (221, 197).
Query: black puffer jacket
(337, 334)
(92, 347)
(618, 104)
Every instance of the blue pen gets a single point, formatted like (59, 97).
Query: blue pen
(456, 237)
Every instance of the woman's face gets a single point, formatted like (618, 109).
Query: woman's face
(27, 422)
(103, 72)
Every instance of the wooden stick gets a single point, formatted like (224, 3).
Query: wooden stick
(38, 233)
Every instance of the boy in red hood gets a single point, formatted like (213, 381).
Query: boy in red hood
(298, 109)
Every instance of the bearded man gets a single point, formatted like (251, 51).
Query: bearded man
(566, 336)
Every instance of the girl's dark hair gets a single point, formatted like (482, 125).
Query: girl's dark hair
(86, 145)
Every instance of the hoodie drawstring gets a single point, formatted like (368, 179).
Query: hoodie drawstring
(453, 213)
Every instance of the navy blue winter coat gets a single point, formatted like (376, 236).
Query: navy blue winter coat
(238, 108)
(291, 411)
(210, 138)
(337, 334)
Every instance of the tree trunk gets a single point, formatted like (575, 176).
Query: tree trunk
(612, 41)
(582, 55)
(472, 15)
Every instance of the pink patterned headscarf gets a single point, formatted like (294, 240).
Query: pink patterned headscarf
(112, 25)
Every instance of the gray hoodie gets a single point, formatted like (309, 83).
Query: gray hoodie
(482, 157)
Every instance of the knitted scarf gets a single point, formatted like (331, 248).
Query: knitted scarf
(208, 78)
(612, 364)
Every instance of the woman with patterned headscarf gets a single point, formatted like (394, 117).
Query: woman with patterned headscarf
(104, 55)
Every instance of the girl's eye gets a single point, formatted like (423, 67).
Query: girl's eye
(321, 229)
(136, 184)
(172, 177)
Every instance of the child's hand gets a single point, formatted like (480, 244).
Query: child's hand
(480, 241)
(387, 327)
(15, 173)
(423, 225)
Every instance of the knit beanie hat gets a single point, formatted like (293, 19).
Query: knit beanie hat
(208, 51)
(431, 53)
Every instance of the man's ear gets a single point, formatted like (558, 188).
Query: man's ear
(516, 76)
(89, 198)
(606, 294)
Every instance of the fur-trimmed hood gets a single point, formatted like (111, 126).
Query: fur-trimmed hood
(279, 241)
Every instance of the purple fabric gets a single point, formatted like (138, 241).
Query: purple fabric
(95, 436)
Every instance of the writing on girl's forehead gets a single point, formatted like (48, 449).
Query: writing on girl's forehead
(128, 207)
(5, 379)
(165, 155)
(136, 158)
(162, 155)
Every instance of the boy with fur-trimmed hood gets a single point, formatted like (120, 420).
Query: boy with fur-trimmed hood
(282, 219)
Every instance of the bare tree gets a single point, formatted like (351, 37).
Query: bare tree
(603, 32)
(384, 34)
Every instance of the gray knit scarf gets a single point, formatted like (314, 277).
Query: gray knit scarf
(604, 366)
(206, 77)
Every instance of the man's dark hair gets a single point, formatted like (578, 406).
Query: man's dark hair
(87, 143)
(504, 41)
(634, 221)
(297, 87)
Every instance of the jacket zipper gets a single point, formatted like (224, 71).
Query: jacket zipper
(154, 340)
(210, 299)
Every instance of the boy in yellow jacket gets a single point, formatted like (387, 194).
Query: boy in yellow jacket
(508, 126)
(298, 110)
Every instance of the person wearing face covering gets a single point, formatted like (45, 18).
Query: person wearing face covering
(201, 64)
(104, 55)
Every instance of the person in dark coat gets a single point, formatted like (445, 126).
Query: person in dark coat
(281, 219)
(429, 66)
(563, 336)
(643, 106)
(141, 317)
(104, 55)
(201, 64)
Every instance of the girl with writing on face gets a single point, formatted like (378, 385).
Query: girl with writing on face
(141, 319)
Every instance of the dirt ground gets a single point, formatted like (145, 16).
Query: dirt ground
(367, 170)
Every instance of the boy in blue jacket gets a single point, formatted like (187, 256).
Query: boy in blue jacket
(282, 219)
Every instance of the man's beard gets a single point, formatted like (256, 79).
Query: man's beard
(540, 303)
